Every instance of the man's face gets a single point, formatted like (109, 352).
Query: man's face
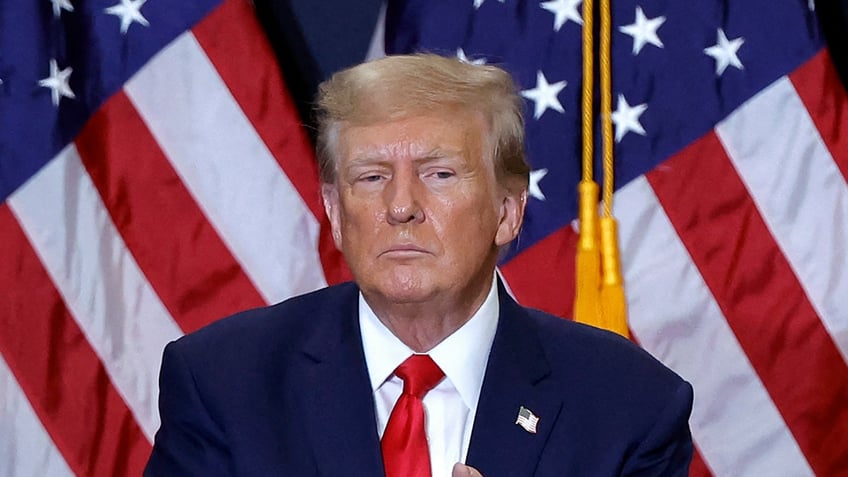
(416, 210)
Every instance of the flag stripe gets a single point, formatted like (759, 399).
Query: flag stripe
(698, 468)
(61, 213)
(168, 235)
(776, 124)
(269, 109)
(701, 183)
(673, 314)
(238, 184)
(533, 278)
(82, 412)
(819, 87)
(26, 447)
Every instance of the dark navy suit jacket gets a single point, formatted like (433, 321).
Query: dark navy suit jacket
(284, 390)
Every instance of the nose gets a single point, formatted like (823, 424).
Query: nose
(402, 200)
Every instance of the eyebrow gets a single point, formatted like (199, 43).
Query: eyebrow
(433, 154)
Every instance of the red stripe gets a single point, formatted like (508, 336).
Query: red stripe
(699, 468)
(58, 370)
(819, 87)
(542, 276)
(761, 298)
(180, 253)
(236, 44)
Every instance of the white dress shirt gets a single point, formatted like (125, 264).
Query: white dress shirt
(450, 407)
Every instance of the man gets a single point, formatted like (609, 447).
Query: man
(425, 360)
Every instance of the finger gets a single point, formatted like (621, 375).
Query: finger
(462, 470)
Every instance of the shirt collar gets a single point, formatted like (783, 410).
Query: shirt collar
(462, 355)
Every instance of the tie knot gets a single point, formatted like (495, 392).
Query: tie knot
(419, 373)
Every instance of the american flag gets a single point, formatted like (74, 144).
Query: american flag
(527, 420)
(731, 143)
(154, 177)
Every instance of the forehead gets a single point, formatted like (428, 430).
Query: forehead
(455, 132)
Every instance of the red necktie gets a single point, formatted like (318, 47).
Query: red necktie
(405, 452)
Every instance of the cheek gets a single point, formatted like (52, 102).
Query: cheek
(465, 222)
(361, 221)
(481, 209)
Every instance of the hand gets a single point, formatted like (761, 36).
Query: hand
(462, 470)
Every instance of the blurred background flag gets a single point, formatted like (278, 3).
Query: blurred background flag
(155, 175)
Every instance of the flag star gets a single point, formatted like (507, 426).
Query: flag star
(644, 31)
(460, 54)
(58, 82)
(59, 5)
(544, 95)
(563, 11)
(129, 11)
(811, 4)
(626, 118)
(575, 226)
(478, 3)
(724, 52)
(534, 189)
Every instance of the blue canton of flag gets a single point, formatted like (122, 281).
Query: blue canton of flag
(62, 59)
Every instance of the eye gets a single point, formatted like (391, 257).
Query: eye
(439, 176)
(371, 178)
(439, 173)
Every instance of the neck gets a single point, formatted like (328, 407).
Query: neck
(423, 325)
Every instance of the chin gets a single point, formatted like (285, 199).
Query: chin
(397, 294)
(405, 288)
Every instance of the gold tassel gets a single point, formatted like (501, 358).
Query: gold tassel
(613, 302)
(599, 299)
(588, 261)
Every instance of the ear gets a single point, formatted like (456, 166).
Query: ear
(332, 207)
(512, 216)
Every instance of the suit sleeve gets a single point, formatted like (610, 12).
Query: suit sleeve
(189, 441)
(667, 449)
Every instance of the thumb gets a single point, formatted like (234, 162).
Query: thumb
(462, 470)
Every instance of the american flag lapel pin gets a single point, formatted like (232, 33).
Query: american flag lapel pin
(527, 420)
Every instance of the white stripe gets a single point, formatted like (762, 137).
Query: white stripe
(673, 315)
(25, 447)
(229, 170)
(126, 324)
(801, 195)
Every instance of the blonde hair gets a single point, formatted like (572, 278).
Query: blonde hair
(406, 85)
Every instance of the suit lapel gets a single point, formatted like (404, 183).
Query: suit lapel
(338, 401)
(515, 376)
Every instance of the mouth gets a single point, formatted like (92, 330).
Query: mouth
(404, 251)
